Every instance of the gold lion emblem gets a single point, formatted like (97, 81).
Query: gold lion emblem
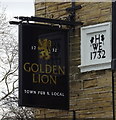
(44, 47)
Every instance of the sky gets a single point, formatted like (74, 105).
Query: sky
(18, 7)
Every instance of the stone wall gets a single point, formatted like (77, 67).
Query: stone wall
(90, 92)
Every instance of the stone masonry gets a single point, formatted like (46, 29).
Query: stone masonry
(90, 92)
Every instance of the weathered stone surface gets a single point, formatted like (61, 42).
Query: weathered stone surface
(90, 92)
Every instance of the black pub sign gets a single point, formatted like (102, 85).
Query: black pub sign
(43, 66)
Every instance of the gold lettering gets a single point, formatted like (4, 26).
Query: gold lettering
(44, 79)
(41, 69)
(39, 78)
(48, 68)
(52, 80)
(34, 81)
(34, 67)
(27, 67)
(54, 69)
(61, 70)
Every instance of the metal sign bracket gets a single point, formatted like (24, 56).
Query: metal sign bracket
(69, 22)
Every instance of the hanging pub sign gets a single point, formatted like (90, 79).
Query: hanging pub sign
(43, 66)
